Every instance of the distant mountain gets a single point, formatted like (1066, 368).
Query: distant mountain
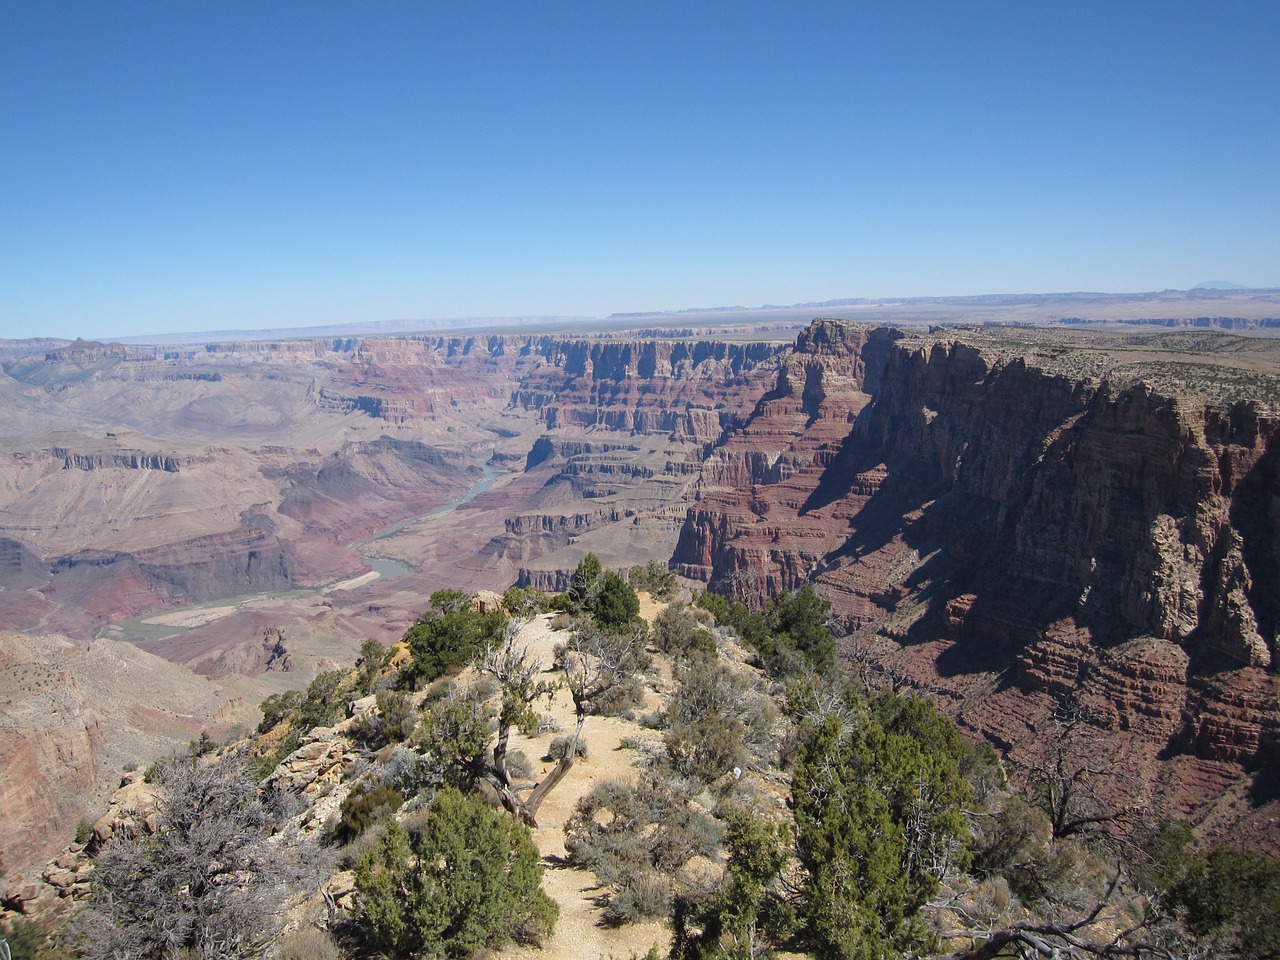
(1220, 285)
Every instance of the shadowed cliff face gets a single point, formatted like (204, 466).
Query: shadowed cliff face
(1005, 534)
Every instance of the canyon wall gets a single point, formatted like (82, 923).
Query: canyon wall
(1021, 539)
(1027, 524)
(73, 717)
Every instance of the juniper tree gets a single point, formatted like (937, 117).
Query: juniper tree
(467, 877)
(877, 805)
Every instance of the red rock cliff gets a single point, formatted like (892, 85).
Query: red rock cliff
(996, 529)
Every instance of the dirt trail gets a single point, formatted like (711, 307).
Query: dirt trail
(580, 933)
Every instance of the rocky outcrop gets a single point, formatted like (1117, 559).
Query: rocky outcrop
(675, 388)
(71, 716)
(548, 581)
(754, 531)
(1089, 538)
(122, 459)
(88, 351)
(569, 525)
(1132, 512)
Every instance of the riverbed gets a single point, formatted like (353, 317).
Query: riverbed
(168, 623)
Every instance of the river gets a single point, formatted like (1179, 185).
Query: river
(167, 623)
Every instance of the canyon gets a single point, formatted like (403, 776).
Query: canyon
(1046, 532)
(1041, 529)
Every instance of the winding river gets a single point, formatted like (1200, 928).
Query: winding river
(167, 623)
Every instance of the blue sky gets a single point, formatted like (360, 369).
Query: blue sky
(196, 166)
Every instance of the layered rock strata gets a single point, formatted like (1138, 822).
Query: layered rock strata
(1017, 537)
(72, 716)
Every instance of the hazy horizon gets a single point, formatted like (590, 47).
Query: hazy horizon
(740, 314)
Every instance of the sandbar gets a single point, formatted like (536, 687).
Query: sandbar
(190, 618)
(354, 582)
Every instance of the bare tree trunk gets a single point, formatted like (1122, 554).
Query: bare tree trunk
(530, 812)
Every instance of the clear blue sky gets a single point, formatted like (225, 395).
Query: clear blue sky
(212, 165)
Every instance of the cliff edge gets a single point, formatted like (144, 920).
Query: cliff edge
(1031, 526)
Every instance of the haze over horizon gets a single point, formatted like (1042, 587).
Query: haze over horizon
(172, 169)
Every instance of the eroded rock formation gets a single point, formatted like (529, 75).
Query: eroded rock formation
(1017, 537)
(72, 717)
(1023, 523)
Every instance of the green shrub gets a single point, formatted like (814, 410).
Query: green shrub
(362, 809)
(322, 705)
(277, 707)
(308, 943)
(749, 625)
(1232, 899)
(797, 623)
(655, 579)
(391, 722)
(469, 878)
(706, 748)
(584, 585)
(676, 630)
(641, 897)
(371, 662)
(453, 738)
(449, 637)
(636, 839)
(560, 746)
(1009, 844)
(525, 601)
(715, 715)
(617, 606)
(790, 634)
(750, 910)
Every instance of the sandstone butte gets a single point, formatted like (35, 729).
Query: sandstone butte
(1023, 523)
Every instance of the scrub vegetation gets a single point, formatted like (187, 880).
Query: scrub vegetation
(771, 805)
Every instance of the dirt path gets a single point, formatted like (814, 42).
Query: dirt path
(580, 933)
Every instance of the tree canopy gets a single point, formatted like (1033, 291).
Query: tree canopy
(466, 877)
(450, 635)
(877, 806)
